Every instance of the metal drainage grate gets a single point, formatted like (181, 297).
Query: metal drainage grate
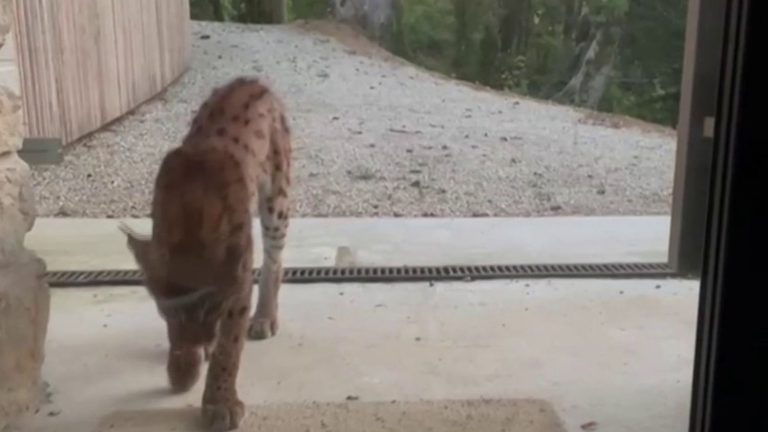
(396, 274)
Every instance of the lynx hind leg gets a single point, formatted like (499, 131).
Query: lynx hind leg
(222, 409)
(273, 212)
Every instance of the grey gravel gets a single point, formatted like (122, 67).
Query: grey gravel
(375, 136)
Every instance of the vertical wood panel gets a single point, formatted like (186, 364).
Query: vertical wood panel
(84, 63)
(38, 70)
(109, 78)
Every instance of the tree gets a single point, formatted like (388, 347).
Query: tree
(514, 25)
(264, 11)
(382, 20)
(621, 56)
(206, 10)
(218, 11)
(596, 55)
(651, 61)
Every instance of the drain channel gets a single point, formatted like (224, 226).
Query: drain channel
(304, 275)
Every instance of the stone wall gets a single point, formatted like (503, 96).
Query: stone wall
(24, 295)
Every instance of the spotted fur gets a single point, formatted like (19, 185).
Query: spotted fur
(233, 164)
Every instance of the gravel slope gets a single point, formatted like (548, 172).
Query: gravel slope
(378, 137)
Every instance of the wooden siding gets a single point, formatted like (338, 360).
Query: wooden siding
(84, 63)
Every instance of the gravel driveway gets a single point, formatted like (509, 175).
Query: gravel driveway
(377, 137)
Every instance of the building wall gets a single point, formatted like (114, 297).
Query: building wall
(85, 63)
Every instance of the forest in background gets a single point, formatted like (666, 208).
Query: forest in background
(616, 56)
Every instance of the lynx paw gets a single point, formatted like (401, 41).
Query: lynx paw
(262, 328)
(183, 368)
(223, 417)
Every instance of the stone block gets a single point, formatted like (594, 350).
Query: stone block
(24, 310)
(17, 203)
(10, 121)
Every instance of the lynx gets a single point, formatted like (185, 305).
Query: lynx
(233, 164)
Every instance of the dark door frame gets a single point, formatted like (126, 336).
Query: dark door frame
(730, 391)
(695, 134)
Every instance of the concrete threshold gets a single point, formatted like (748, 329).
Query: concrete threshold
(96, 244)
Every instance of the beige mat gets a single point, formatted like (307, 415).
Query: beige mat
(518, 415)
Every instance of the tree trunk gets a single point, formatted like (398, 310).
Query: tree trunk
(487, 64)
(265, 11)
(461, 33)
(527, 27)
(599, 83)
(514, 25)
(571, 18)
(216, 10)
(278, 11)
(252, 11)
(399, 43)
(587, 85)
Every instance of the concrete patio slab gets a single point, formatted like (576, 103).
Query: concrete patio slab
(96, 244)
(613, 355)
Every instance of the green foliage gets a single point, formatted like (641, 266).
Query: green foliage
(534, 47)
(200, 10)
(428, 29)
(206, 10)
(254, 11)
(608, 9)
(307, 9)
(651, 59)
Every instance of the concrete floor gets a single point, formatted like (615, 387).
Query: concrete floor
(617, 353)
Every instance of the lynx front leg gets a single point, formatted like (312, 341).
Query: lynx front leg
(273, 211)
(222, 409)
